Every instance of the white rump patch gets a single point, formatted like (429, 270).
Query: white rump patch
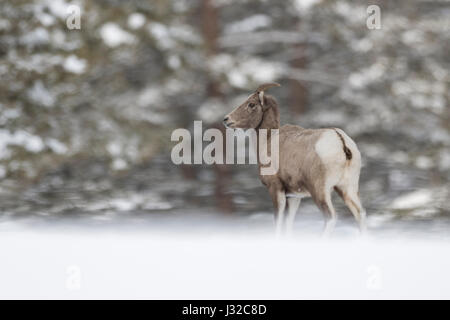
(329, 147)
(330, 150)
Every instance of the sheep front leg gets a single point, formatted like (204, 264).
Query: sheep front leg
(279, 202)
(293, 204)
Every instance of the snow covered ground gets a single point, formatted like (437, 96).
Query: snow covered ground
(58, 261)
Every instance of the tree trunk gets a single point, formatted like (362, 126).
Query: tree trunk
(210, 30)
(298, 95)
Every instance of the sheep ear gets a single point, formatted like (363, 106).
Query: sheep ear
(261, 97)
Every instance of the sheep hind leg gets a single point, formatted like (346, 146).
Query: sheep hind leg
(353, 203)
(324, 203)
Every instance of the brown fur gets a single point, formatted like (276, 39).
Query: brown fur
(291, 178)
(292, 140)
(301, 170)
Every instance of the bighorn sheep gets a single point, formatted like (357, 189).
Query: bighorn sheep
(312, 162)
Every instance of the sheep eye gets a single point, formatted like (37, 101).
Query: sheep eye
(251, 105)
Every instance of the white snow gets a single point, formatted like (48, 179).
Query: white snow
(147, 201)
(366, 76)
(305, 5)
(413, 200)
(261, 71)
(74, 64)
(22, 138)
(114, 36)
(123, 204)
(40, 63)
(249, 24)
(161, 34)
(30, 142)
(167, 36)
(5, 25)
(354, 12)
(8, 114)
(362, 45)
(185, 33)
(114, 148)
(245, 69)
(3, 69)
(399, 157)
(156, 205)
(424, 162)
(59, 8)
(149, 265)
(174, 61)
(221, 62)
(413, 37)
(149, 96)
(237, 79)
(59, 40)
(45, 19)
(136, 20)
(444, 160)
(119, 164)
(158, 30)
(39, 36)
(211, 110)
(56, 146)
(40, 95)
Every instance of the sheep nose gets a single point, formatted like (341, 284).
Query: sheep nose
(226, 119)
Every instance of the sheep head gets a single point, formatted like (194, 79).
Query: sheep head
(250, 113)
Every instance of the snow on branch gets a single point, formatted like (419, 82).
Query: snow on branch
(263, 37)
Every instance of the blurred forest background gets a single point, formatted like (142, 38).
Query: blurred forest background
(86, 115)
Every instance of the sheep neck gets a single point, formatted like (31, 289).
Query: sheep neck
(270, 120)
